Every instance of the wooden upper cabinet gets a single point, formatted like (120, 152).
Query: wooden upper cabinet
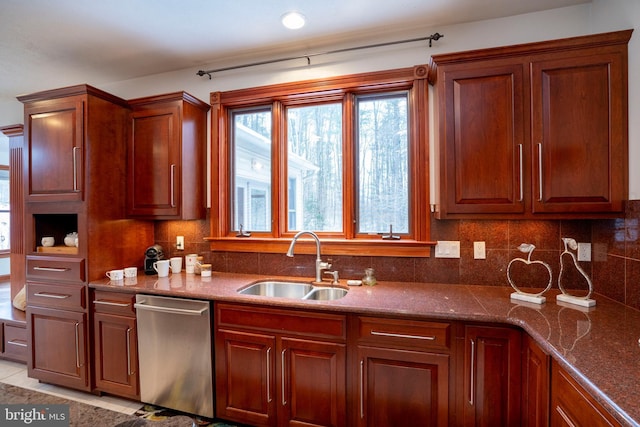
(482, 155)
(166, 177)
(579, 131)
(536, 130)
(54, 148)
(72, 135)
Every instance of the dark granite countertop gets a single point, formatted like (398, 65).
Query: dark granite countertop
(599, 346)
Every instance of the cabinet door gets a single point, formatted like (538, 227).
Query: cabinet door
(116, 355)
(245, 382)
(402, 388)
(14, 342)
(58, 343)
(579, 133)
(535, 384)
(154, 176)
(572, 405)
(492, 376)
(312, 383)
(54, 150)
(482, 149)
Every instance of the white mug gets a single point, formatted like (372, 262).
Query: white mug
(48, 241)
(115, 274)
(162, 267)
(176, 264)
(190, 262)
(131, 272)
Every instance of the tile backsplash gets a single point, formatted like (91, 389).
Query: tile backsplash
(614, 268)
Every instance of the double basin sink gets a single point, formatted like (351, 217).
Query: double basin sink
(293, 290)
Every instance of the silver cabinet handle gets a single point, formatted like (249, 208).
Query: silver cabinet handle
(269, 374)
(129, 352)
(173, 173)
(282, 379)
(540, 172)
(472, 373)
(77, 346)
(47, 295)
(51, 269)
(18, 343)
(415, 337)
(116, 304)
(75, 168)
(361, 389)
(521, 177)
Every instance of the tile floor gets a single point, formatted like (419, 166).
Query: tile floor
(16, 374)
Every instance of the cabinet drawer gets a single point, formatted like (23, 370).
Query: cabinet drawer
(55, 268)
(114, 303)
(290, 322)
(70, 297)
(15, 342)
(404, 333)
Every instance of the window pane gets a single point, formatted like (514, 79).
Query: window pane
(315, 167)
(383, 161)
(4, 230)
(251, 160)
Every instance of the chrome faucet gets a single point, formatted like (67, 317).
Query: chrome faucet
(320, 265)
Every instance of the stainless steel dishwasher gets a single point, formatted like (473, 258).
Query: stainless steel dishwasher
(174, 347)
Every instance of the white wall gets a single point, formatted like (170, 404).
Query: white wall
(610, 15)
(600, 16)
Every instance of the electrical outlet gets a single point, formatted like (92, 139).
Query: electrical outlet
(479, 250)
(584, 251)
(448, 249)
(180, 243)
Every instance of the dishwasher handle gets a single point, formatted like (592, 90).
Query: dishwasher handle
(198, 312)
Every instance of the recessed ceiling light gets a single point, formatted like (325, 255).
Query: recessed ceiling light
(293, 20)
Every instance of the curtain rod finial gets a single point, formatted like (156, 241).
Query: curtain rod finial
(202, 73)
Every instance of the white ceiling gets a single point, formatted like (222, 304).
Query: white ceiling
(105, 41)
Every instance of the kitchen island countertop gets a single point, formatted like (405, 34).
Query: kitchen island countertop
(599, 346)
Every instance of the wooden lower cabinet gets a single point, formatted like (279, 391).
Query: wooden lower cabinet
(491, 384)
(400, 387)
(245, 377)
(400, 372)
(14, 341)
(57, 339)
(280, 367)
(535, 384)
(571, 405)
(115, 344)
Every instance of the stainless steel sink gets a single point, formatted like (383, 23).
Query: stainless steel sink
(293, 290)
(279, 289)
(326, 294)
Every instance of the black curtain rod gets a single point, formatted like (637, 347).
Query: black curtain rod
(308, 57)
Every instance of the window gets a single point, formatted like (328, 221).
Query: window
(383, 164)
(345, 157)
(314, 158)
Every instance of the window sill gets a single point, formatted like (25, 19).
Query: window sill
(369, 247)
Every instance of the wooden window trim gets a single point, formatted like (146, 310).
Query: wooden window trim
(338, 88)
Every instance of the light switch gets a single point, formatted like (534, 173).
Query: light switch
(448, 249)
(180, 243)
